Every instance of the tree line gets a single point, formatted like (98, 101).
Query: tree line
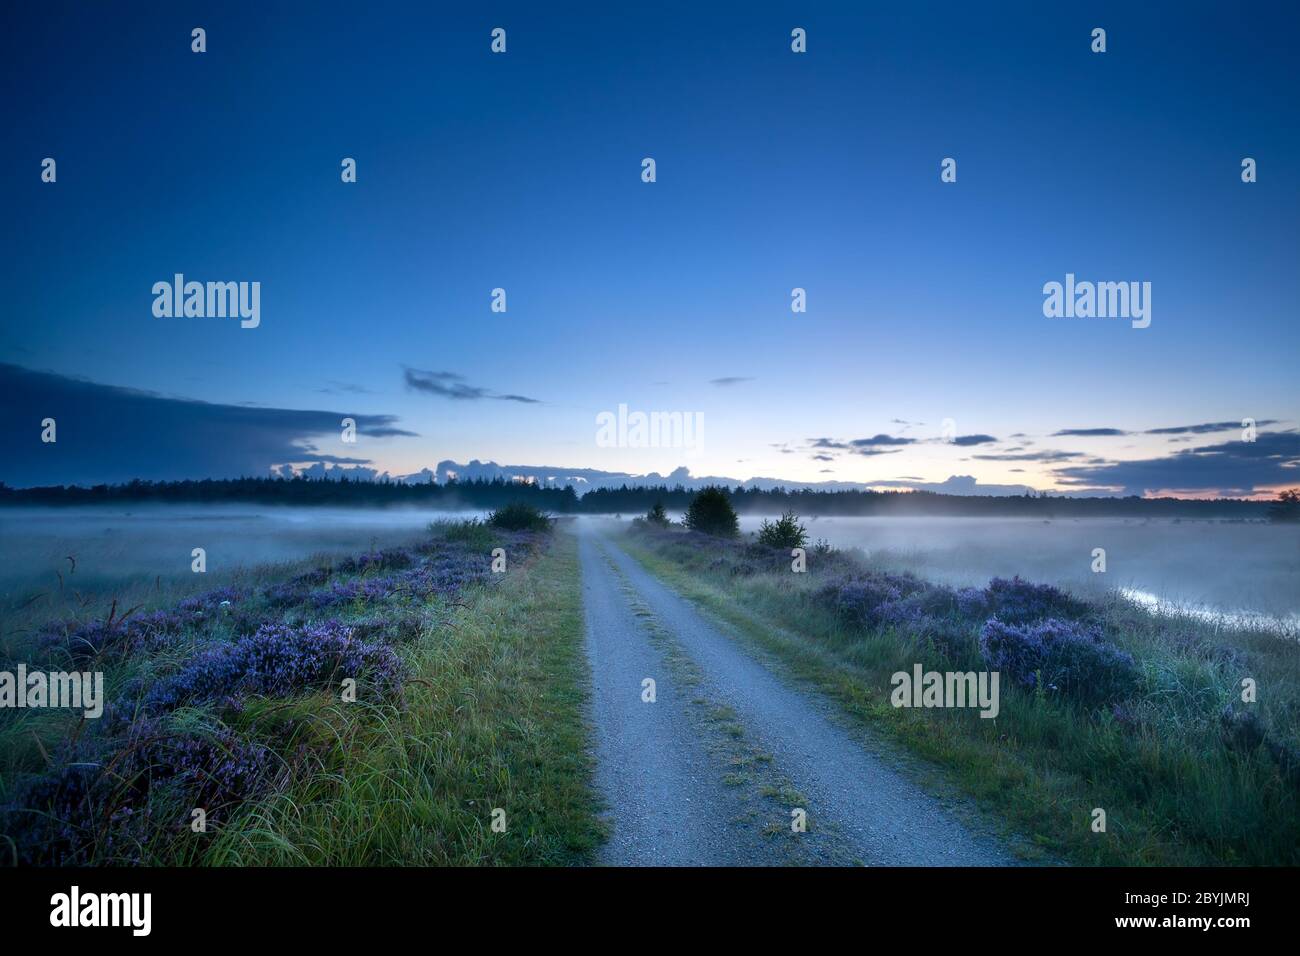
(485, 494)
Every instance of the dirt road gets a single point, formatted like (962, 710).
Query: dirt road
(681, 787)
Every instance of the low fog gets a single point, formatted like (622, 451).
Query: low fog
(1232, 566)
(1238, 568)
(119, 545)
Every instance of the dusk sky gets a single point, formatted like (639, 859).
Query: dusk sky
(774, 170)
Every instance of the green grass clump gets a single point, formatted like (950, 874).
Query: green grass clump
(518, 516)
(474, 532)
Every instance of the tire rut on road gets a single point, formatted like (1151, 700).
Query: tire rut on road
(664, 791)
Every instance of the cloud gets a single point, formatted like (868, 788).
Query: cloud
(955, 485)
(383, 431)
(333, 388)
(331, 459)
(1234, 467)
(966, 440)
(729, 380)
(882, 439)
(1206, 428)
(823, 457)
(827, 443)
(453, 386)
(107, 433)
(1042, 456)
(1089, 432)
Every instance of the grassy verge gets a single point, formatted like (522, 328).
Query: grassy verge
(1177, 786)
(484, 724)
(493, 721)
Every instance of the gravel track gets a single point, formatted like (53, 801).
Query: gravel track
(662, 787)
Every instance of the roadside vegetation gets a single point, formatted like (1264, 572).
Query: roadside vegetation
(710, 513)
(519, 516)
(657, 516)
(387, 708)
(1103, 705)
(784, 532)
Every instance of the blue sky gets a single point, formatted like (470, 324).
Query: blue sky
(775, 170)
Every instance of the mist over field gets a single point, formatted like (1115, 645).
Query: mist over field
(1235, 570)
(1220, 566)
(1238, 569)
(114, 547)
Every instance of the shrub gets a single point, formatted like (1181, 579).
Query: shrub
(1018, 601)
(52, 818)
(287, 593)
(365, 590)
(973, 603)
(1061, 656)
(99, 807)
(518, 516)
(658, 516)
(218, 769)
(393, 559)
(209, 601)
(955, 640)
(85, 641)
(915, 609)
(785, 532)
(1287, 507)
(278, 660)
(710, 512)
(873, 599)
(447, 573)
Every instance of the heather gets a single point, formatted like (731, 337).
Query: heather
(1060, 657)
(228, 698)
(1022, 601)
(105, 804)
(279, 660)
(1103, 704)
